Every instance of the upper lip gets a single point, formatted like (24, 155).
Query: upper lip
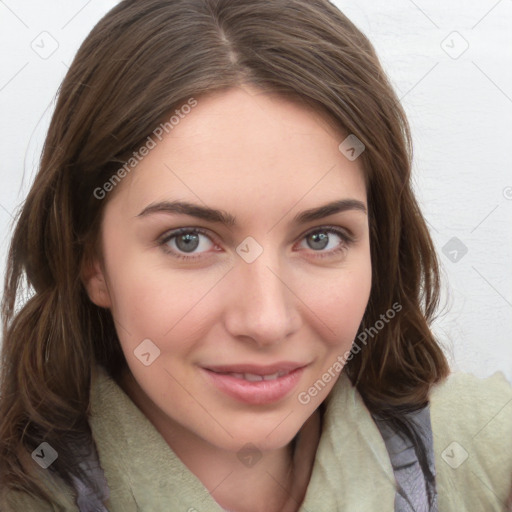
(285, 366)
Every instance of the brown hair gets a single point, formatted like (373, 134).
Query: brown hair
(141, 61)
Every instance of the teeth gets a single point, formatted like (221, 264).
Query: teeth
(274, 376)
(252, 377)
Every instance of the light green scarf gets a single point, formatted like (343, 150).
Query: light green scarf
(352, 470)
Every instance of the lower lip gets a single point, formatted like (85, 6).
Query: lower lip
(255, 393)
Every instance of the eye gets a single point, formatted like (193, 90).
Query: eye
(321, 238)
(185, 241)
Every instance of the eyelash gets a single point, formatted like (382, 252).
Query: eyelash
(347, 240)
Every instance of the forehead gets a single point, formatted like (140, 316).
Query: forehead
(244, 147)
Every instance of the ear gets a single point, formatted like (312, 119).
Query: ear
(93, 279)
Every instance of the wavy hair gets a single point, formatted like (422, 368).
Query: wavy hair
(141, 61)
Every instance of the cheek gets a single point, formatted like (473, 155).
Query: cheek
(154, 301)
(337, 307)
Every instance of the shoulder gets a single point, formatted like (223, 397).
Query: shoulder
(459, 381)
(472, 404)
(472, 429)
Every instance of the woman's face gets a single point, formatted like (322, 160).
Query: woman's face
(278, 292)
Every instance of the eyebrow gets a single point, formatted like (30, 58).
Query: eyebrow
(222, 217)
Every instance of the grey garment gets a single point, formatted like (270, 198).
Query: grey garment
(89, 500)
(415, 493)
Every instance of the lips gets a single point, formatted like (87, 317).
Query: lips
(255, 384)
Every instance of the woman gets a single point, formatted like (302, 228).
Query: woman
(233, 283)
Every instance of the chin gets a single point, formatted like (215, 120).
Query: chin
(266, 435)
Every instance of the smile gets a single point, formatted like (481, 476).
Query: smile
(255, 385)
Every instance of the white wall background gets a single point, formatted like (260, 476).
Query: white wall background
(451, 64)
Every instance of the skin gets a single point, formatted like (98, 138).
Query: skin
(263, 159)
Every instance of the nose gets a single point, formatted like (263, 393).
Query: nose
(262, 302)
